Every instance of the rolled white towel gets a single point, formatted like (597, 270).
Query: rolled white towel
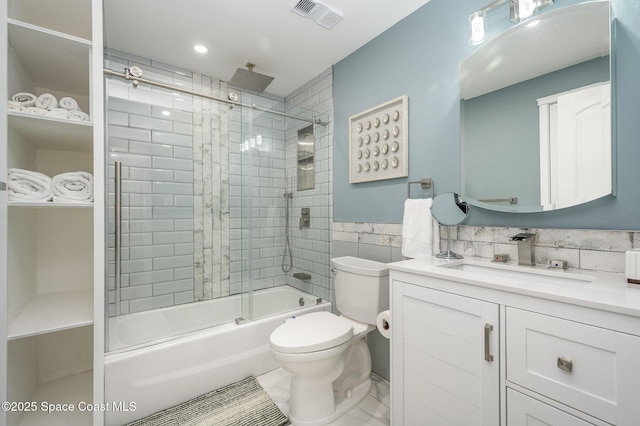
(72, 187)
(36, 111)
(58, 113)
(69, 104)
(14, 106)
(25, 99)
(27, 185)
(78, 115)
(47, 101)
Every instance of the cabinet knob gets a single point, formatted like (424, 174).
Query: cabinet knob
(565, 364)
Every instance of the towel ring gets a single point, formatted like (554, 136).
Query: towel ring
(425, 183)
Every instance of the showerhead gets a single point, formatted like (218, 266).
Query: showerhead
(250, 80)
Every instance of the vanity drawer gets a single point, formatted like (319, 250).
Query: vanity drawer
(588, 368)
(526, 411)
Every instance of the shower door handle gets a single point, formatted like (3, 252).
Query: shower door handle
(118, 232)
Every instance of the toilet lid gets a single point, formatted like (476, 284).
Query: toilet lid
(310, 333)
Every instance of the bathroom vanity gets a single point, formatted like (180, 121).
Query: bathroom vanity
(479, 343)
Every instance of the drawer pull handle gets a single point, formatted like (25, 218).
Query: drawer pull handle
(565, 364)
(488, 328)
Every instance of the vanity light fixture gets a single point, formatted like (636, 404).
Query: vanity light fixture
(519, 10)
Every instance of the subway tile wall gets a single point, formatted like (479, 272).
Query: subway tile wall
(176, 215)
(257, 181)
(186, 230)
(311, 247)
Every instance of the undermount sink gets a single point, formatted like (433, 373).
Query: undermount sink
(520, 273)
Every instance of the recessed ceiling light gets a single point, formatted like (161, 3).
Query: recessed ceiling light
(200, 48)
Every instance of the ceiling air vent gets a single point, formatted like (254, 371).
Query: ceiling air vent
(329, 19)
(304, 7)
(321, 13)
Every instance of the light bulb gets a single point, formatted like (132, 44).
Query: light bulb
(476, 24)
(526, 8)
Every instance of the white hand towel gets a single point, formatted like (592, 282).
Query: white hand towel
(78, 115)
(26, 185)
(72, 187)
(58, 113)
(36, 111)
(69, 104)
(25, 99)
(14, 106)
(46, 101)
(420, 232)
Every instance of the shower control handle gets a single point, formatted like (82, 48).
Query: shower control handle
(305, 218)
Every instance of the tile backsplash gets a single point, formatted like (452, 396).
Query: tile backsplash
(591, 249)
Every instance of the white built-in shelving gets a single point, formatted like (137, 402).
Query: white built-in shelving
(52, 133)
(50, 246)
(50, 312)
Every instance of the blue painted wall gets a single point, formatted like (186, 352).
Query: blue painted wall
(419, 57)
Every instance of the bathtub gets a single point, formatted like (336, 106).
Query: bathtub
(152, 377)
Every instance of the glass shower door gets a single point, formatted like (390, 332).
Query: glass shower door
(167, 248)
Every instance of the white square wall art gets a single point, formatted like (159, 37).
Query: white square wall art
(378, 142)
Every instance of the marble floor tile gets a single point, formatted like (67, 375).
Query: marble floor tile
(373, 411)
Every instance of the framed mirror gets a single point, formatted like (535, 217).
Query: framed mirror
(536, 114)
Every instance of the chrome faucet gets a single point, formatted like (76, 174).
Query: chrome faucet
(525, 249)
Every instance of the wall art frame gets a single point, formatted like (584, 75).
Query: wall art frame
(378, 142)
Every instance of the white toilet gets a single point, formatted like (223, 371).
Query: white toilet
(326, 354)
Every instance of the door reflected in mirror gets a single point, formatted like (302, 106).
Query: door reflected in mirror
(535, 113)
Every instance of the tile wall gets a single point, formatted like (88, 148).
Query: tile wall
(591, 249)
(186, 208)
(257, 182)
(311, 247)
(152, 131)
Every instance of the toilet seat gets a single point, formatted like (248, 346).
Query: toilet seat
(312, 332)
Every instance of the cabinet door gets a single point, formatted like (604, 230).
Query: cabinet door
(445, 367)
(526, 411)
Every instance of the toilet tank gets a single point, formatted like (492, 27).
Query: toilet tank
(362, 288)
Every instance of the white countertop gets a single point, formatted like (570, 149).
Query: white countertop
(599, 290)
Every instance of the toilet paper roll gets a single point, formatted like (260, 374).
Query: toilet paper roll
(383, 322)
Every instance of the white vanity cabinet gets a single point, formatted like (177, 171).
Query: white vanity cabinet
(555, 360)
(445, 358)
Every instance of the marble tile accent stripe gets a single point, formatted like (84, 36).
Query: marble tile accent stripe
(591, 249)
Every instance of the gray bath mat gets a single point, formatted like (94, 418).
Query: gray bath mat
(244, 403)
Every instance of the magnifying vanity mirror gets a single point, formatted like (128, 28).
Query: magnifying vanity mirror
(449, 210)
(535, 113)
